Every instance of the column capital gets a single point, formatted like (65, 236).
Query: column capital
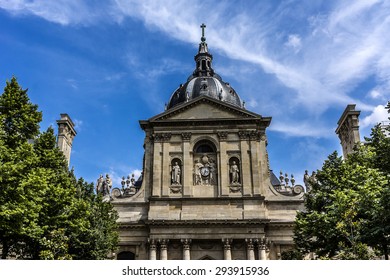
(152, 243)
(250, 243)
(226, 243)
(163, 242)
(253, 135)
(161, 137)
(186, 136)
(222, 135)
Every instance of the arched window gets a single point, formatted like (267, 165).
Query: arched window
(204, 146)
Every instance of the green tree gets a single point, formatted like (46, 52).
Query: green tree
(347, 212)
(19, 122)
(45, 212)
(95, 233)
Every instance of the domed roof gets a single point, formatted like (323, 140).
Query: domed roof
(204, 81)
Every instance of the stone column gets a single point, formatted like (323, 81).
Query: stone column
(163, 249)
(186, 249)
(262, 249)
(152, 249)
(227, 253)
(250, 252)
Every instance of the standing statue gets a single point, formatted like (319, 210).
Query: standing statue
(306, 180)
(198, 176)
(175, 174)
(99, 184)
(107, 184)
(132, 180)
(234, 173)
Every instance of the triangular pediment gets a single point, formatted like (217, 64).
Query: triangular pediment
(204, 108)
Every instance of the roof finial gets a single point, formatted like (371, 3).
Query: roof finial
(203, 26)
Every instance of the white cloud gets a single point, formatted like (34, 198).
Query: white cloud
(294, 41)
(375, 94)
(378, 115)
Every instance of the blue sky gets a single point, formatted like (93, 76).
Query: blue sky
(109, 64)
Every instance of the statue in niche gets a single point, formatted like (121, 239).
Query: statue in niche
(176, 174)
(198, 176)
(234, 173)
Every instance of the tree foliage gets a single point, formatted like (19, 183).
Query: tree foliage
(45, 212)
(348, 209)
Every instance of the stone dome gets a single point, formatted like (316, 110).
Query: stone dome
(204, 81)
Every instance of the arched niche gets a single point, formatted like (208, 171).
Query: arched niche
(176, 171)
(205, 163)
(234, 171)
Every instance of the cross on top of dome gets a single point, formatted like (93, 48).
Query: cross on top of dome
(203, 26)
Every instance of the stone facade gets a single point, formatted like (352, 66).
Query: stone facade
(206, 190)
(206, 215)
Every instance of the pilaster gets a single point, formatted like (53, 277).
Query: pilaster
(224, 169)
(187, 164)
(246, 164)
(157, 163)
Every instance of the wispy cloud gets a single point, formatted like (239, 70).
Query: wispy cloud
(64, 12)
(320, 62)
(78, 124)
(301, 129)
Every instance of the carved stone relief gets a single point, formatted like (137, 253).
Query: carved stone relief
(205, 169)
